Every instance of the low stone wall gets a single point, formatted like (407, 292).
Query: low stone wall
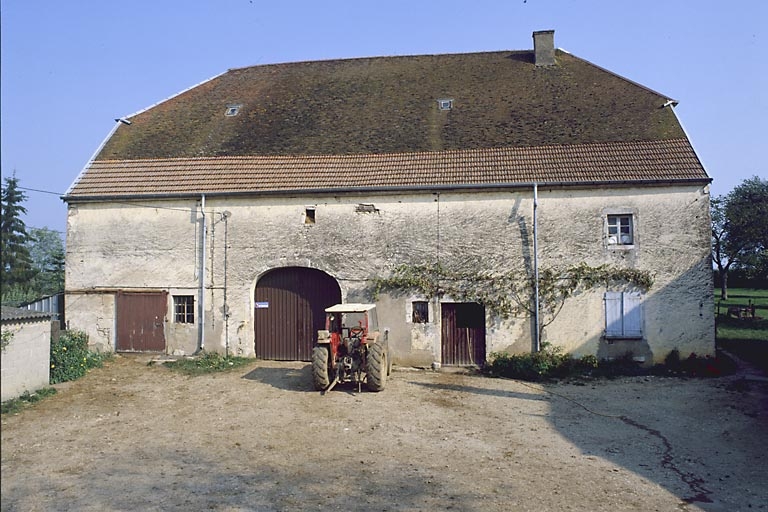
(26, 358)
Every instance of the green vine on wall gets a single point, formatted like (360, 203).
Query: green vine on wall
(510, 293)
(5, 339)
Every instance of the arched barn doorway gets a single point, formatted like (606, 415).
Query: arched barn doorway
(290, 308)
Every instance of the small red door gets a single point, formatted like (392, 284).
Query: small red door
(463, 333)
(141, 321)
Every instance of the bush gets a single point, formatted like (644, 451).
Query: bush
(551, 363)
(548, 363)
(70, 357)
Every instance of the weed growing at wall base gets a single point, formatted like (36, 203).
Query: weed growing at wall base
(207, 363)
(70, 357)
(16, 404)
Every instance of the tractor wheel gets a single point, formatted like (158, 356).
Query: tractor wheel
(320, 368)
(377, 367)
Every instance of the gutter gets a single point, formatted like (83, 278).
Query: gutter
(383, 189)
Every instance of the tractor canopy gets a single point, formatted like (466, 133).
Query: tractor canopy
(344, 316)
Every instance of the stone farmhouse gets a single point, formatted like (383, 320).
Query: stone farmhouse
(228, 216)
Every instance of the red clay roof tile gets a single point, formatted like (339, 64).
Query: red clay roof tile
(664, 160)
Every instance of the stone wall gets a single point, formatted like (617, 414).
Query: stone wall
(357, 238)
(27, 358)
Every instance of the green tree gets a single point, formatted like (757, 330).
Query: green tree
(747, 210)
(724, 253)
(47, 252)
(16, 270)
(740, 230)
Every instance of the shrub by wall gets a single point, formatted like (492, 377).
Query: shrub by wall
(70, 357)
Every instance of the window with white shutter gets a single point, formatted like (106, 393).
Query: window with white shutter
(623, 315)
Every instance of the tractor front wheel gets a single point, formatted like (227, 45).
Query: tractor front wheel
(320, 368)
(377, 367)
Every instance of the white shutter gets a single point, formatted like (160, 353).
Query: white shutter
(623, 315)
(613, 314)
(633, 319)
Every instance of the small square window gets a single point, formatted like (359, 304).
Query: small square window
(420, 312)
(445, 104)
(309, 215)
(620, 230)
(184, 309)
(232, 110)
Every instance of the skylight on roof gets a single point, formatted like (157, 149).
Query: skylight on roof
(445, 104)
(232, 110)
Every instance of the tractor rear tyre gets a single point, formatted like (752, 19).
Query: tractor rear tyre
(320, 368)
(377, 367)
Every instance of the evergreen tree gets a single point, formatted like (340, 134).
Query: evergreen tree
(47, 251)
(16, 270)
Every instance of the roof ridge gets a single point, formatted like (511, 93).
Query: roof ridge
(373, 57)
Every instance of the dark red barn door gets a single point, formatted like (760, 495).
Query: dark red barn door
(141, 321)
(290, 309)
(463, 333)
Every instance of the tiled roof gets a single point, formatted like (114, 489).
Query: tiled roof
(375, 123)
(614, 162)
(390, 105)
(9, 314)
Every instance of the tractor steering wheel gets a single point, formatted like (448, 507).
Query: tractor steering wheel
(356, 332)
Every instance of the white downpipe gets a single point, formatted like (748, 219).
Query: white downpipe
(536, 262)
(201, 301)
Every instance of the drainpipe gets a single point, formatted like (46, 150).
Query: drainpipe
(201, 301)
(226, 216)
(536, 263)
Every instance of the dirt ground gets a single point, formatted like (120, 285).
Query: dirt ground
(130, 437)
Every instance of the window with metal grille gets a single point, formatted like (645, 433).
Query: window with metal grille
(420, 312)
(623, 315)
(184, 309)
(620, 230)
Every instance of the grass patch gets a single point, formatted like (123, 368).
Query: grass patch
(207, 363)
(743, 297)
(17, 404)
(746, 338)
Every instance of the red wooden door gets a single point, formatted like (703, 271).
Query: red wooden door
(463, 333)
(141, 321)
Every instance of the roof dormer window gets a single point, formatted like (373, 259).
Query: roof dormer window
(232, 110)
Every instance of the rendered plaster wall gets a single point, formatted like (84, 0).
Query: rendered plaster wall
(26, 360)
(672, 241)
(112, 247)
(129, 247)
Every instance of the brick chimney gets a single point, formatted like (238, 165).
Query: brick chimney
(544, 47)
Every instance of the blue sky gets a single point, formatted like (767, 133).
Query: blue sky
(70, 68)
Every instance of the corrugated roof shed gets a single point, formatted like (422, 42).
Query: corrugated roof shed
(10, 314)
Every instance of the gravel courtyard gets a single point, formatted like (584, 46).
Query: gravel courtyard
(132, 436)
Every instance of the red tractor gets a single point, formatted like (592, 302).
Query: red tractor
(351, 349)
